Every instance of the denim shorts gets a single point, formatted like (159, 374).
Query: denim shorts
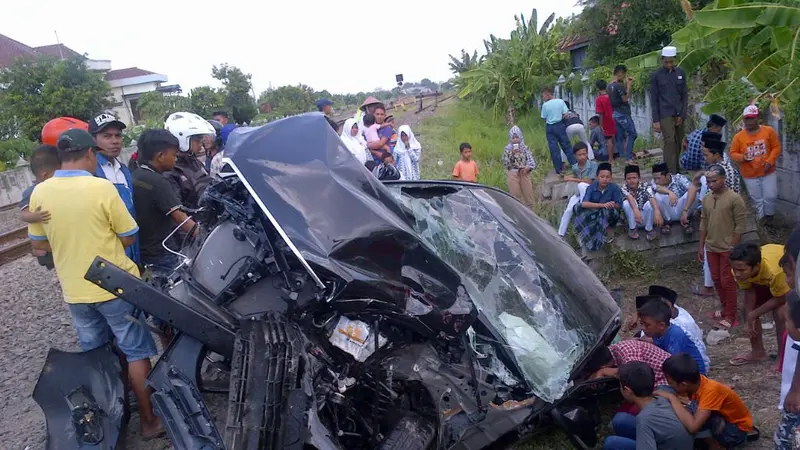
(95, 322)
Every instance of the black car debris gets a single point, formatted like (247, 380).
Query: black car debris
(352, 314)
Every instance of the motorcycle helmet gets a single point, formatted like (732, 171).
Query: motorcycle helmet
(53, 129)
(218, 128)
(184, 125)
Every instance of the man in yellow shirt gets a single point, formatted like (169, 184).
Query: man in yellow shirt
(759, 274)
(88, 219)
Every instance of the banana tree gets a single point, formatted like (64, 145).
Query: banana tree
(757, 42)
(512, 67)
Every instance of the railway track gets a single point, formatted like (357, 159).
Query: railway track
(14, 244)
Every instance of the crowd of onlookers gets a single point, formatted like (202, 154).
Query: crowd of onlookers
(85, 203)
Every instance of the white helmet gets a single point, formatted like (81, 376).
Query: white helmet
(184, 125)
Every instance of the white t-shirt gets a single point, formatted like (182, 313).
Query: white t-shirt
(113, 172)
(789, 363)
(686, 322)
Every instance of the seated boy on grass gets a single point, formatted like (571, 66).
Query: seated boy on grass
(656, 427)
(655, 317)
(583, 172)
(720, 416)
(599, 212)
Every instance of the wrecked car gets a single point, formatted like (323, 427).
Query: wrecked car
(354, 314)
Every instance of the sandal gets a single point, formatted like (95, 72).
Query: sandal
(743, 360)
(726, 324)
(688, 229)
(633, 234)
(651, 235)
(666, 229)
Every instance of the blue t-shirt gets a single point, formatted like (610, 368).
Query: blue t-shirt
(676, 341)
(26, 196)
(553, 110)
(612, 194)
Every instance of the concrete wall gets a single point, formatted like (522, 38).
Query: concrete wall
(642, 114)
(14, 182)
(788, 176)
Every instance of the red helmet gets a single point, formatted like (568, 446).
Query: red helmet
(53, 129)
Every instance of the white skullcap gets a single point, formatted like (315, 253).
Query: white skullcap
(669, 51)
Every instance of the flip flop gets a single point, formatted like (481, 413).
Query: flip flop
(696, 291)
(743, 361)
(726, 324)
(714, 314)
(666, 229)
(161, 432)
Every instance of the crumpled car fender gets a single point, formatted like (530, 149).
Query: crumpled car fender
(82, 398)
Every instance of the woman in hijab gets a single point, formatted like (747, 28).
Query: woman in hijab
(518, 162)
(407, 153)
(354, 141)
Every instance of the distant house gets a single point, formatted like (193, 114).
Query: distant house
(127, 85)
(577, 47)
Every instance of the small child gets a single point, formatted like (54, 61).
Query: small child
(596, 137)
(389, 122)
(408, 152)
(466, 169)
(371, 135)
(599, 212)
(386, 169)
(655, 317)
(640, 205)
(583, 173)
(44, 163)
(720, 415)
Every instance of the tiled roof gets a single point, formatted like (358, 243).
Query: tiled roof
(10, 50)
(57, 51)
(129, 72)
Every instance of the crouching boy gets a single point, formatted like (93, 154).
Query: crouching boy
(583, 173)
(641, 209)
(716, 414)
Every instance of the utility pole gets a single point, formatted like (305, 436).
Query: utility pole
(60, 51)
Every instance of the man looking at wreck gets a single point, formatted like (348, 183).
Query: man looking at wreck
(89, 219)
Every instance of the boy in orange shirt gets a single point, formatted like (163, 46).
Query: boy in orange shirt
(720, 416)
(756, 148)
(466, 169)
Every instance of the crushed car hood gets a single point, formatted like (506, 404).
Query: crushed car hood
(438, 250)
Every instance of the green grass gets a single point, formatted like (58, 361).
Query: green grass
(460, 121)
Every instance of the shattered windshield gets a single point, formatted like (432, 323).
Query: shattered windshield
(530, 285)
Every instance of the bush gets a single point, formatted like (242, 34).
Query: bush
(12, 149)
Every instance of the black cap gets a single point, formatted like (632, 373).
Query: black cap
(103, 121)
(632, 169)
(660, 167)
(604, 166)
(717, 120)
(641, 300)
(710, 136)
(664, 292)
(75, 140)
(719, 146)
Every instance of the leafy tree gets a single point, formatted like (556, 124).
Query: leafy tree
(621, 29)
(154, 107)
(516, 68)
(204, 100)
(237, 88)
(467, 62)
(33, 91)
(289, 100)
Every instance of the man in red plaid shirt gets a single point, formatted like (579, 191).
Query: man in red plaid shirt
(607, 359)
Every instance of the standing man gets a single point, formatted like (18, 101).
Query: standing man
(553, 110)
(722, 222)
(669, 97)
(88, 219)
(619, 93)
(107, 132)
(220, 116)
(324, 106)
(756, 148)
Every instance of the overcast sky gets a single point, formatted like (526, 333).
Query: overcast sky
(334, 45)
